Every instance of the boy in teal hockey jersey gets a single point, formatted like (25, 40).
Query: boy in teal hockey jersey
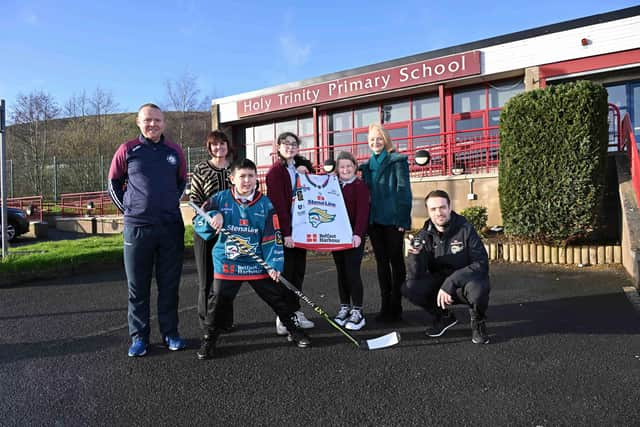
(250, 217)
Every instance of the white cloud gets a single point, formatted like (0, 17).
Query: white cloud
(30, 18)
(294, 52)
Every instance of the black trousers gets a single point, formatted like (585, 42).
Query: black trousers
(423, 291)
(349, 279)
(224, 292)
(202, 250)
(387, 244)
(295, 265)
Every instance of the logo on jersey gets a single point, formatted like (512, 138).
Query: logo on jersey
(172, 160)
(237, 246)
(456, 246)
(319, 216)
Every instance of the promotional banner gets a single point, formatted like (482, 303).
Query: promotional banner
(319, 216)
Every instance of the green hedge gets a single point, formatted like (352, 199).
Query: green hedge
(477, 216)
(553, 148)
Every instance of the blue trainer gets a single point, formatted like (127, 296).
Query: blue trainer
(174, 342)
(138, 347)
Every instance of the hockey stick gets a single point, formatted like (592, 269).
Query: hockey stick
(384, 341)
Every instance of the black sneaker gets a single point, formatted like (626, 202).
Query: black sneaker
(207, 348)
(479, 332)
(300, 338)
(441, 324)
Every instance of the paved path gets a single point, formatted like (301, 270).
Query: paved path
(565, 351)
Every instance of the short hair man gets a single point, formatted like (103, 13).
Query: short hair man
(146, 180)
(448, 264)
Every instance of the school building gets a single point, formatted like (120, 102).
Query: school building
(447, 101)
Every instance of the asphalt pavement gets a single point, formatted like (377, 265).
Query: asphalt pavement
(565, 350)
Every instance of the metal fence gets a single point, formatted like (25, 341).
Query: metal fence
(63, 176)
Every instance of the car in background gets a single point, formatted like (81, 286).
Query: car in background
(17, 221)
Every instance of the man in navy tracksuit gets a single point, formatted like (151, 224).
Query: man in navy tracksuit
(146, 180)
(448, 264)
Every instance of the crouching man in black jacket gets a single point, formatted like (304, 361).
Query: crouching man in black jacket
(448, 264)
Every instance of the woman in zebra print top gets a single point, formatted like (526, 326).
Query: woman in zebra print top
(208, 178)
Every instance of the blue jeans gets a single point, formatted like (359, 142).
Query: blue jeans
(161, 245)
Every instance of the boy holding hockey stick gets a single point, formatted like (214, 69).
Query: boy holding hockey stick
(252, 220)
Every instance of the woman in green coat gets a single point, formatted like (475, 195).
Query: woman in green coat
(387, 176)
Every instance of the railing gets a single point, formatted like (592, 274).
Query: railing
(630, 144)
(31, 205)
(452, 153)
(615, 136)
(94, 203)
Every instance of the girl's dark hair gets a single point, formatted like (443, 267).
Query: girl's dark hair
(281, 138)
(284, 136)
(218, 135)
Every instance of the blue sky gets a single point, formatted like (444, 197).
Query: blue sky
(132, 48)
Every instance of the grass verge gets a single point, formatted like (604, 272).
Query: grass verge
(70, 253)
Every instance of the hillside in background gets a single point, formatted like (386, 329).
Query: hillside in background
(53, 156)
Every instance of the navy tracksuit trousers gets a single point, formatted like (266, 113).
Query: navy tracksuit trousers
(162, 246)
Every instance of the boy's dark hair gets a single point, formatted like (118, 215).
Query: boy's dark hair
(438, 193)
(243, 164)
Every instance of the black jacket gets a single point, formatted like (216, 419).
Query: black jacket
(457, 255)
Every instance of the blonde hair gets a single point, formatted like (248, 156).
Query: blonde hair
(388, 146)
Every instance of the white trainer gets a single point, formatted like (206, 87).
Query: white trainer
(280, 328)
(356, 320)
(343, 314)
(303, 322)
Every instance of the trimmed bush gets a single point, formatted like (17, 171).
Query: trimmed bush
(553, 148)
(477, 216)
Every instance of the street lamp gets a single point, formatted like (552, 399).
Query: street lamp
(458, 169)
(329, 165)
(422, 157)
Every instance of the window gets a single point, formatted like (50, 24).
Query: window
(260, 140)
(288, 126)
(365, 116)
(426, 121)
(340, 121)
(396, 112)
(264, 133)
(467, 100)
(501, 92)
(424, 108)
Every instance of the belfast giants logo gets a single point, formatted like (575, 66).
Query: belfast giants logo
(172, 160)
(237, 246)
(319, 216)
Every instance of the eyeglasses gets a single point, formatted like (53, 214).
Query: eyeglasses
(290, 144)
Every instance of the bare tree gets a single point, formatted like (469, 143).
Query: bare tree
(184, 98)
(102, 105)
(77, 105)
(32, 130)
